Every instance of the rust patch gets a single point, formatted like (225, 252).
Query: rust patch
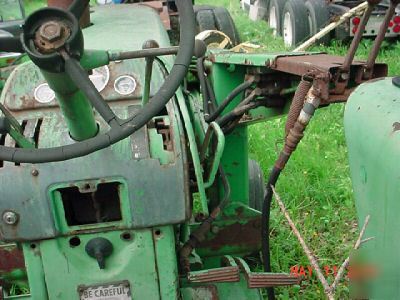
(247, 235)
(11, 258)
(396, 126)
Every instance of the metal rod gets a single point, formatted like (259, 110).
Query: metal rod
(149, 44)
(113, 56)
(356, 40)
(379, 39)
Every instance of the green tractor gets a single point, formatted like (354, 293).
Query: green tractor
(124, 165)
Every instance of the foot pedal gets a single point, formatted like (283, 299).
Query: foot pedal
(230, 273)
(263, 280)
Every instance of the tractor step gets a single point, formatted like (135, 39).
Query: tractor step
(224, 274)
(262, 280)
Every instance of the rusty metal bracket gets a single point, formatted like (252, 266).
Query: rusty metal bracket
(326, 69)
(262, 280)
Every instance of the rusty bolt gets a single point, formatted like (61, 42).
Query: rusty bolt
(10, 218)
(35, 172)
(51, 31)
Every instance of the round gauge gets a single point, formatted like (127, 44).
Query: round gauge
(43, 93)
(125, 85)
(100, 77)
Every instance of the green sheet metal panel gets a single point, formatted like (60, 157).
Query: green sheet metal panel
(372, 123)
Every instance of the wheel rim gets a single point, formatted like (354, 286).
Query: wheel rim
(287, 29)
(272, 21)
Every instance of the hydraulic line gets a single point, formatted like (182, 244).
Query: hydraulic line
(203, 85)
(293, 138)
(297, 104)
(239, 110)
(232, 95)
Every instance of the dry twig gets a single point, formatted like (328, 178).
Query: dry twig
(329, 289)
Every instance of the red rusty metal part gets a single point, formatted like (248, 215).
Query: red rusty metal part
(245, 235)
(162, 9)
(327, 66)
(11, 258)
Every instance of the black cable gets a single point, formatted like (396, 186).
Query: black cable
(232, 95)
(203, 87)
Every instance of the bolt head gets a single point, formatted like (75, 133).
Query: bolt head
(51, 31)
(10, 218)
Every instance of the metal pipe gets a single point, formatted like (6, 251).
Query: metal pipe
(113, 56)
(149, 44)
(345, 68)
(379, 39)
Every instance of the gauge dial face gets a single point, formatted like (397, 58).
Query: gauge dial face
(125, 85)
(100, 78)
(43, 93)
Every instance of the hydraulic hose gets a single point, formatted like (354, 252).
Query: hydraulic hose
(232, 95)
(293, 138)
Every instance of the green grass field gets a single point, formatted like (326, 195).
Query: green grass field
(315, 185)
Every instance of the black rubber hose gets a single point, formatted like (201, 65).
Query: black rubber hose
(232, 95)
(265, 219)
(129, 126)
(203, 85)
(211, 95)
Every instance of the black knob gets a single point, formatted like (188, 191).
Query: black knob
(100, 249)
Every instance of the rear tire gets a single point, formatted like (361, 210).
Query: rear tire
(275, 9)
(256, 185)
(294, 22)
(318, 18)
(216, 18)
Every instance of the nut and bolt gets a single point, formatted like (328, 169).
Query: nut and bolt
(10, 218)
(35, 172)
(51, 31)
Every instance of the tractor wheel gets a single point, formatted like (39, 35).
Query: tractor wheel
(318, 18)
(294, 22)
(275, 9)
(216, 18)
(256, 185)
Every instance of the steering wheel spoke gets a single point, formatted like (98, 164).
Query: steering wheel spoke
(78, 7)
(11, 44)
(80, 77)
(43, 25)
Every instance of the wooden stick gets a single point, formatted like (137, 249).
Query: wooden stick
(343, 18)
(308, 252)
(343, 267)
(328, 289)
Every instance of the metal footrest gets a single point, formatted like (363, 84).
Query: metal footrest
(230, 273)
(262, 280)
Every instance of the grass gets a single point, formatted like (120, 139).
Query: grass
(315, 185)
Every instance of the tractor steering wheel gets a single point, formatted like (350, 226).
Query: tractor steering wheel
(67, 60)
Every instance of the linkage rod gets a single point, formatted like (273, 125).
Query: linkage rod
(379, 39)
(113, 56)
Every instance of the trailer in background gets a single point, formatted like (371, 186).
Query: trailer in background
(297, 20)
